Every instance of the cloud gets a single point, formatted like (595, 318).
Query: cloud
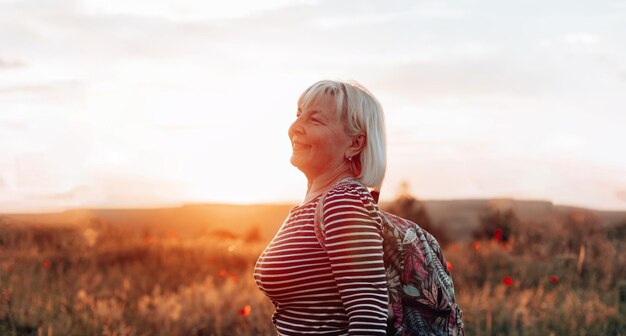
(72, 195)
(134, 61)
(9, 64)
(35, 89)
(178, 127)
(183, 10)
(356, 13)
(612, 65)
(581, 39)
(601, 48)
(111, 189)
(62, 38)
(14, 124)
(290, 31)
(127, 189)
(419, 81)
(39, 96)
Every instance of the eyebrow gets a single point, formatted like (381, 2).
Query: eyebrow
(313, 112)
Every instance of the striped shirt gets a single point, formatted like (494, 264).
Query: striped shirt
(337, 290)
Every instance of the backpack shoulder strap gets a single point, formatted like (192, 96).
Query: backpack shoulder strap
(318, 221)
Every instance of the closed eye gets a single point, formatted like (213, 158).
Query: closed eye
(311, 118)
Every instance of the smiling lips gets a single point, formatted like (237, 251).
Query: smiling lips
(299, 146)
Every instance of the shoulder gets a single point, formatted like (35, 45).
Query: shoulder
(349, 194)
(349, 206)
(350, 190)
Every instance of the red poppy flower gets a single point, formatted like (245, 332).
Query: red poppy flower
(476, 246)
(46, 264)
(497, 236)
(222, 273)
(245, 311)
(449, 264)
(507, 281)
(554, 279)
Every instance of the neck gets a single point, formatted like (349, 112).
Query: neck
(323, 182)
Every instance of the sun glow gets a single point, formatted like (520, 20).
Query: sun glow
(125, 104)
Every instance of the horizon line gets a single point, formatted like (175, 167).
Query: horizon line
(279, 203)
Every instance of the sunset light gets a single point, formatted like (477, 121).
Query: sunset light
(144, 104)
(187, 167)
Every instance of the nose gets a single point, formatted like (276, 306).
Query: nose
(295, 128)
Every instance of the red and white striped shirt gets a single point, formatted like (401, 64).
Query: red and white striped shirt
(339, 290)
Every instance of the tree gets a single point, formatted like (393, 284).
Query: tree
(496, 224)
(253, 235)
(579, 227)
(407, 206)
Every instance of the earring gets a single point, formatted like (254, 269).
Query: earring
(352, 164)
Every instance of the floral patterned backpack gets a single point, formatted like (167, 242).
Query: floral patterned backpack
(421, 292)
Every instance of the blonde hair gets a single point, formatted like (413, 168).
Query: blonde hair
(360, 112)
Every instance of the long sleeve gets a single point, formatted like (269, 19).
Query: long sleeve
(355, 249)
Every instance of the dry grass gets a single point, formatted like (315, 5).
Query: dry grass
(97, 279)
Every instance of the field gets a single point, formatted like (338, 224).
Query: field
(91, 277)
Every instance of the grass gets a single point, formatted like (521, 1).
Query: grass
(99, 279)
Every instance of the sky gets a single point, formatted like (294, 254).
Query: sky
(117, 103)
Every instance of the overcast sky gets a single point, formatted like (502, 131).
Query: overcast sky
(118, 103)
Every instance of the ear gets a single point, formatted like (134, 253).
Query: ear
(357, 145)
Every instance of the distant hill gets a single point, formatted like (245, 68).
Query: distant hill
(460, 217)
(186, 220)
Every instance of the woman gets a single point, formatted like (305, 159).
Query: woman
(338, 289)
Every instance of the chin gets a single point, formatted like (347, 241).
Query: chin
(297, 162)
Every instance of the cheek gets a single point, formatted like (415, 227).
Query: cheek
(329, 149)
(326, 145)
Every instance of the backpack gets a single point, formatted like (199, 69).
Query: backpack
(421, 292)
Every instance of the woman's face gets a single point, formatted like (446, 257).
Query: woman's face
(318, 139)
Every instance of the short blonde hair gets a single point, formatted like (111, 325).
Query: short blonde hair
(360, 112)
